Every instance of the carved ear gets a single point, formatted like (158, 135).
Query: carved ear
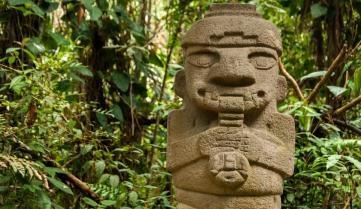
(281, 88)
(180, 83)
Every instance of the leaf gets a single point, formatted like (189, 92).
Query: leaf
(18, 2)
(290, 197)
(99, 167)
(29, 53)
(121, 81)
(81, 69)
(53, 170)
(114, 180)
(137, 31)
(51, 6)
(4, 189)
(150, 187)
(176, 66)
(90, 202)
(86, 149)
(357, 79)
(113, 16)
(8, 206)
(336, 91)
(87, 3)
(37, 10)
(332, 160)
(44, 201)
(17, 84)
(104, 177)
(355, 162)
(76, 77)
(108, 202)
(358, 190)
(313, 75)
(345, 68)
(102, 119)
(35, 46)
(11, 60)
(117, 112)
(155, 60)
(28, 5)
(10, 50)
(103, 5)
(63, 86)
(95, 13)
(60, 185)
(133, 198)
(57, 38)
(78, 133)
(56, 206)
(5, 179)
(317, 10)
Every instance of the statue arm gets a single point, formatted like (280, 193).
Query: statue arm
(182, 152)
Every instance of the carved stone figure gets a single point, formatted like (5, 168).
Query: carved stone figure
(229, 147)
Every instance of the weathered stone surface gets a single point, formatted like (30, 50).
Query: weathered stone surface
(229, 147)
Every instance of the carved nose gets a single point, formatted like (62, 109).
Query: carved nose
(233, 75)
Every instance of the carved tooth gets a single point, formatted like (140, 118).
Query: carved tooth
(263, 102)
(214, 171)
(254, 96)
(248, 96)
(248, 105)
(207, 100)
(215, 95)
(231, 116)
(208, 95)
(259, 102)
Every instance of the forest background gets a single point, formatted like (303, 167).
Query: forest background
(86, 87)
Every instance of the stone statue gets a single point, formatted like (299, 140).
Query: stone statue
(229, 147)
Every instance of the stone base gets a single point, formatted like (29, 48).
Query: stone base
(183, 206)
(194, 200)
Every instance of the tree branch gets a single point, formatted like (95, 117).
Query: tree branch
(347, 126)
(353, 51)
(347, 106)
(75, 181)
(291, 79)
(166, 68)
(339, 59)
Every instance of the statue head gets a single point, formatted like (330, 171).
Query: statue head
(231, 61)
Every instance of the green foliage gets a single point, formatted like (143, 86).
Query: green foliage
(86, 86)
(317, 10)
(332, 168)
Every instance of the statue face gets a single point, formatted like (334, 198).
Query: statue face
(231, 79)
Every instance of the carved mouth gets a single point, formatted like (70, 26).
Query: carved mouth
(201, 92)
(232, 102)
(247, 95)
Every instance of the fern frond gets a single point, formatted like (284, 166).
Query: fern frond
(105, 191)
(26, 168)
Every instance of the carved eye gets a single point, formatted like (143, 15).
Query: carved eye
(262, 60)
(204, 59)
